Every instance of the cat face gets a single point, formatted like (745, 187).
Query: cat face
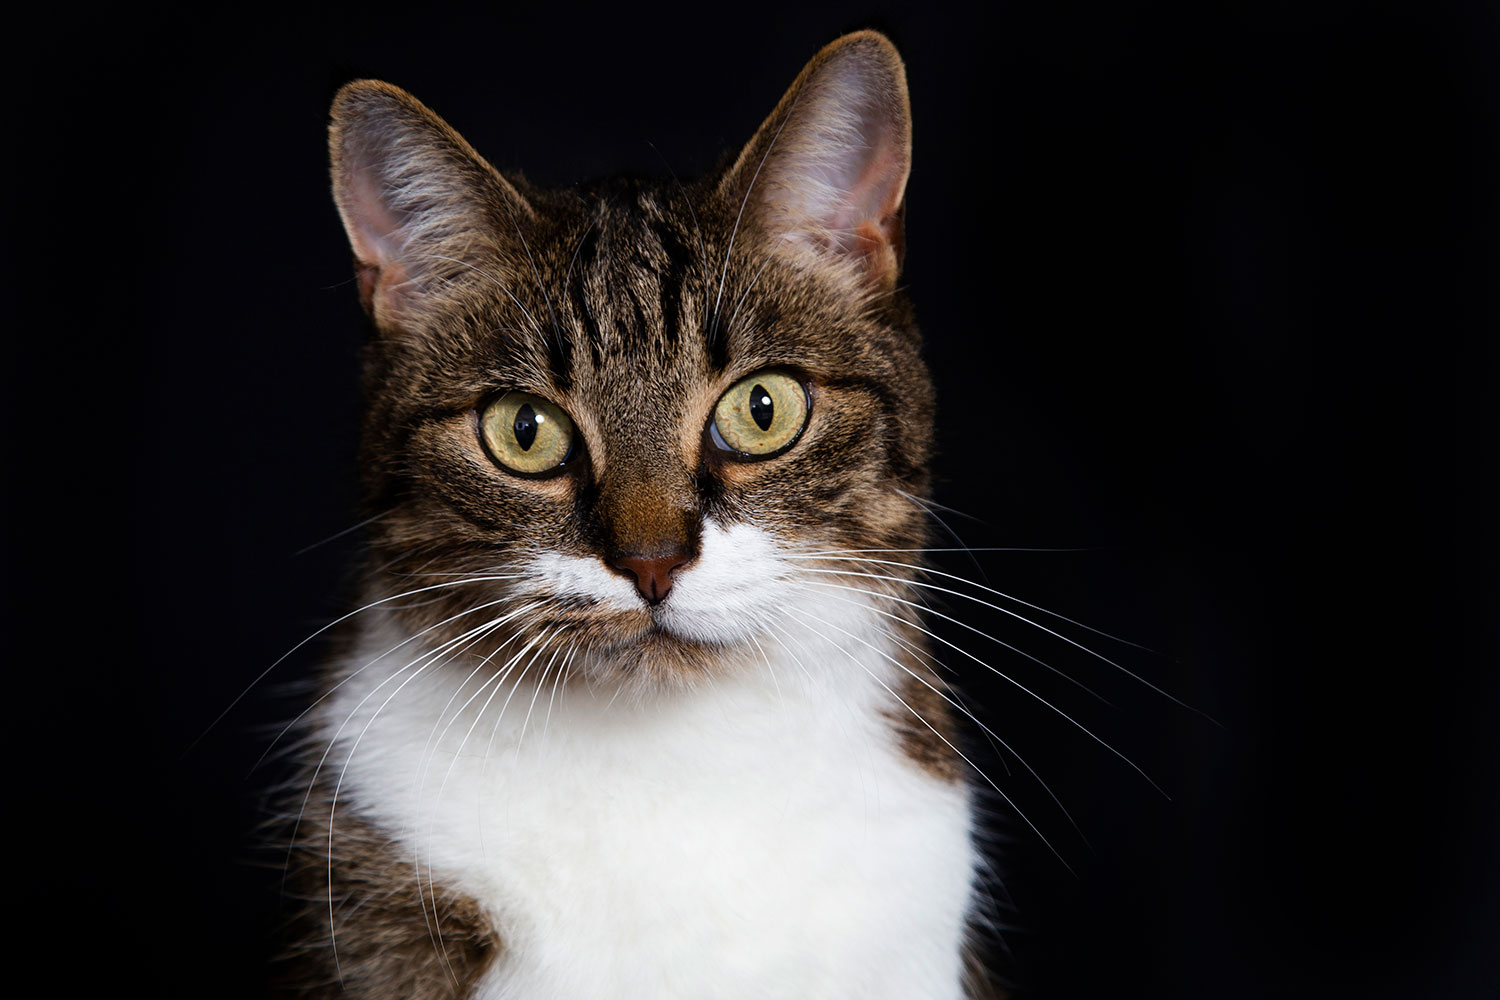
(619, 417)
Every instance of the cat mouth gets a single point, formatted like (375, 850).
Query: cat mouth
(661, 633)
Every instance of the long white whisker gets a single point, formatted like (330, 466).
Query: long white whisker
(340, 534)
(282, 658)
(962, 624)
(999, 673)
(541, 679)
(956, 704)
(938, 667)
(728, 250)
(1013, 614)
(430, 747)
(928, 507)
(795, 658)
(334, 801)
(772, 671)
(962, 756)
(966, 548)
(410, 663)
(562, 670)
(499, 681)
(355, 673)
(842, 554)
(980, 601)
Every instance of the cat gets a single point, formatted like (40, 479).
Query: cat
(636, 703)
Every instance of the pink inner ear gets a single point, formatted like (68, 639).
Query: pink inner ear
(375, 235)
(837, 171)
(872, 199)
(374, 230)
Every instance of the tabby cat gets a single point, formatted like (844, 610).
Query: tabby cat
(636, 704)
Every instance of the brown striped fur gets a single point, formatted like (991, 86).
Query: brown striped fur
(356, 893)
(633, 305)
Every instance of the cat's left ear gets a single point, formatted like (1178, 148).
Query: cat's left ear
(827, 170)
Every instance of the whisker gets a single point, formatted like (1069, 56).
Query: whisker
(340, 534)
(562, 670)
(798, 660)
(772, 671)
(748, 288)
(431, 921)
(999, 673)
(515, 222)
(930, 508)
(498, 283)
(355, 673)
(938, 668)
(692, 213)
(949, 618)
(839, 555)
(499, 681)
(966, 548)
(713, 335)
(541, 679)
(282, 658)
(1006, 611)
(962, 756)
(431, 658)
(795, 658)
(962, 708)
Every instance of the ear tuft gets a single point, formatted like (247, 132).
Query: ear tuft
(827, 170)
(414, 196)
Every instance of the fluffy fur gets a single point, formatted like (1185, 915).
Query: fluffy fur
(530, 781)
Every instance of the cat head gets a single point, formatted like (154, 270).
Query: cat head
(623, 416)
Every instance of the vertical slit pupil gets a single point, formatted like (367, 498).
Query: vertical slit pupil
(762, 410)
(525, 427)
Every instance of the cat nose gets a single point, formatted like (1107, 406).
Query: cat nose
(653, 573)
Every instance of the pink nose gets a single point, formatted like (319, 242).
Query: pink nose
(653, 574)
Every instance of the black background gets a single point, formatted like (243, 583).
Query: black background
(1209, 293)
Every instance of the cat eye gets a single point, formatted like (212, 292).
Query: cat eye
(760, 416)
(526, 434)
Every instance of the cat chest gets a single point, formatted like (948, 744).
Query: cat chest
(732, 846)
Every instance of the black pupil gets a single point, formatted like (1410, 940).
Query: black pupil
(761, 410)
(525, 427)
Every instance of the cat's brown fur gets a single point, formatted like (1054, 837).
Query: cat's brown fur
(560, 292)
(633, 305)
(394, 936)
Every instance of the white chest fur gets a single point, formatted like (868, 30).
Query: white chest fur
(761, 836)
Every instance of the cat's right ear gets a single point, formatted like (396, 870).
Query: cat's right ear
(826, 174)
(416, 199)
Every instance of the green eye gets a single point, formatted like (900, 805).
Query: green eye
(526, 434)
(760, 415)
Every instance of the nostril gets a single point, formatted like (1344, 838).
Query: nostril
(653, 574)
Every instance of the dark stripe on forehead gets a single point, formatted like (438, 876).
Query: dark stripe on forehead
(679, 265)
(582, 265)
(560, 357)
(628, 266)
(639, 329)
(718, 341)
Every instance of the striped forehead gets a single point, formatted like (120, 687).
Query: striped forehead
(630, 305)
(634, 284)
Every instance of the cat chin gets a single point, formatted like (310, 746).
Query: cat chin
(659, 657)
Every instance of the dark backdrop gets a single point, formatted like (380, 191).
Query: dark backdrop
(1209, 295)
